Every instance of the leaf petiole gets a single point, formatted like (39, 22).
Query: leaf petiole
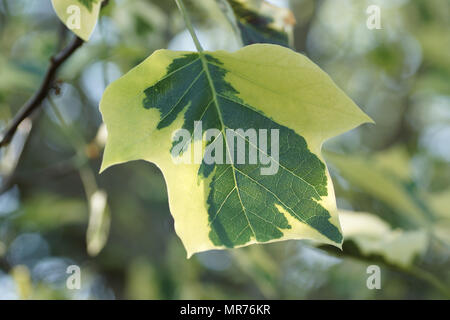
(189, 26)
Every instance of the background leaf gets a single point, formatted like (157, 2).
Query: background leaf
(373, 236)
(261, 22)
(89, 11)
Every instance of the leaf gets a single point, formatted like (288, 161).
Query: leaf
(80, 16)
(373, 236)
(260, 86)
(261, 22)
(99, 222)
(387, 177)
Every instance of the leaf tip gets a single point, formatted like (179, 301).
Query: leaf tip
(103, 167)
(105, 163)
(368, 119)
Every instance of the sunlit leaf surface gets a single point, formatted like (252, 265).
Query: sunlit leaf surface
(262, 87)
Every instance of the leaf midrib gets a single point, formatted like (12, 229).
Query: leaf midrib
(216, 103)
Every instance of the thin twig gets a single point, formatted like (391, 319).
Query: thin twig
(36, 100)
(187, 21)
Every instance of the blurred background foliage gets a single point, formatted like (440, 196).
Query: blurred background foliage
(391, 179)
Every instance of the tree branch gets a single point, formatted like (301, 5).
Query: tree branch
(36, 100)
